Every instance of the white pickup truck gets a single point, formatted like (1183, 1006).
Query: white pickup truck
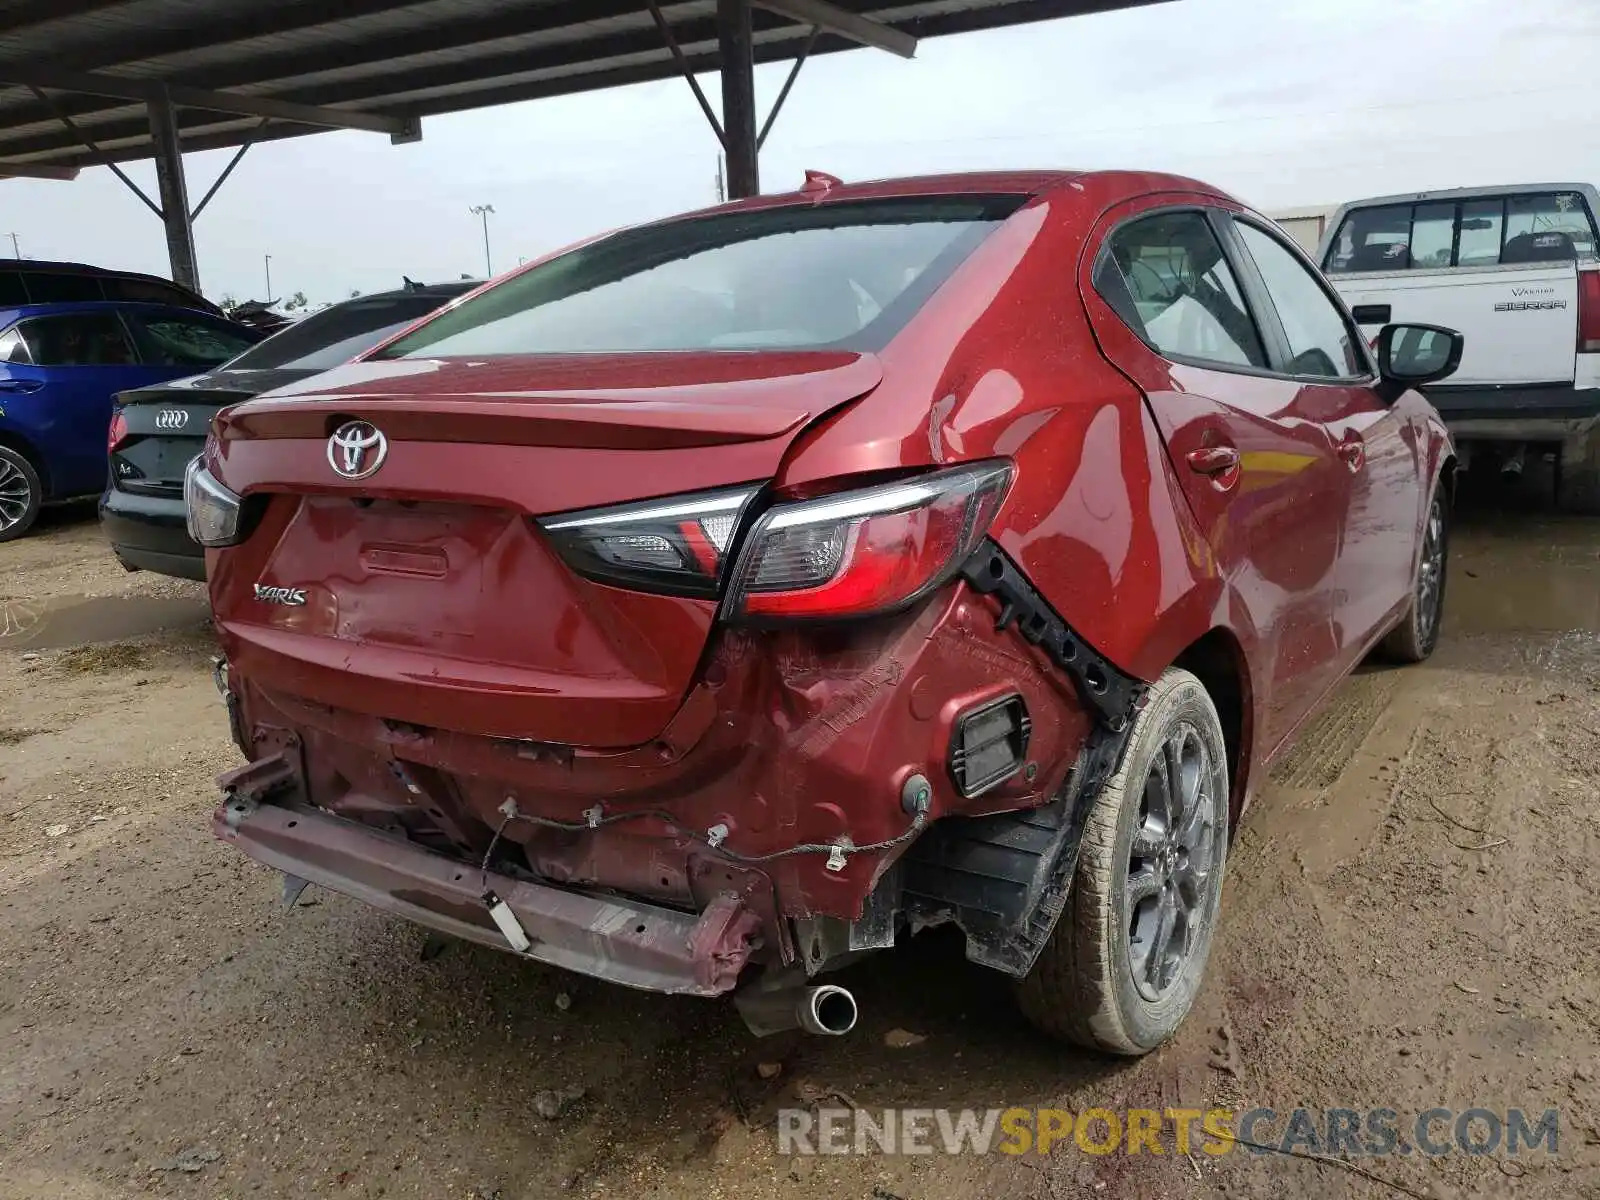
(1515, 269)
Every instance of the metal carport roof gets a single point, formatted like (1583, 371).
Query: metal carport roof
(102, 81)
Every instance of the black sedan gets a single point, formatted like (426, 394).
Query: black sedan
(156, 431)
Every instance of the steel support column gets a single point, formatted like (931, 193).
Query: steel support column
(737, 53)
(174, 192)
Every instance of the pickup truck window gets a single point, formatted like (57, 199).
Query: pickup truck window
(1533, 227)
(1482, 226)
(1433, 230)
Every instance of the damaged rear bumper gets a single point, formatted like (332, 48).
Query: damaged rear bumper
(628, 942)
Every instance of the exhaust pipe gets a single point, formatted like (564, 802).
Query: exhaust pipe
(827, 1010)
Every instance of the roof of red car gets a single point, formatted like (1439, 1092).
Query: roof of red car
(986, 182)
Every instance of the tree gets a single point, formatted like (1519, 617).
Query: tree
(298, 300)
(355, 293)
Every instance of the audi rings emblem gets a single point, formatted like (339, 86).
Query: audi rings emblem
(357, 449)
(172, 418)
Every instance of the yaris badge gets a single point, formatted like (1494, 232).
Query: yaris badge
(294, 597)
(357, 449)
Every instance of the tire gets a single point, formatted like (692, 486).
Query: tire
(1413, 640)
(21, 494)
(1082, 988)
(1579, 491)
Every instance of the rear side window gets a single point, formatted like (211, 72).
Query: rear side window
(12, 348)
(50, 287)
(147, 291)
(337, 334)
(77, 340)
(1165, 276)
(847, 275)
(1493, 230)
(1321, 342)
(176, 340)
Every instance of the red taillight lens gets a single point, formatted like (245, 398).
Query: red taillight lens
(1588, 311)
(867, 551)
(677, 546)
(117, 433)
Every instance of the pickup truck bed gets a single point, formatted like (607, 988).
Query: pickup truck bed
(1514, 270)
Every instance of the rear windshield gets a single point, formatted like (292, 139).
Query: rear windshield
(336, 335)
(847, 275)
(1524, 228)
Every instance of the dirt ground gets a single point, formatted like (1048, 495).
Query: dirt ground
(1409, 922)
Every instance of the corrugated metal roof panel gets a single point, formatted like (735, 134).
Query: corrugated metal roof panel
(394, 57)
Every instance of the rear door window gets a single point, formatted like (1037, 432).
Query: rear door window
(336, 335)
(846, 275)
(1321, 342)
(176, 339)
(1490, 231)
(77, 340)
(1166, 277)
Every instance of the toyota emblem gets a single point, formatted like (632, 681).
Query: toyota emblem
(357, 449)
(172, 418)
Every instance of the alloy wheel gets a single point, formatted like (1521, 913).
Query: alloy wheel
(14, 495)
(1171, 862)
(1430, 574)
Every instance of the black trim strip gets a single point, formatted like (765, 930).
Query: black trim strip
(1110, 693)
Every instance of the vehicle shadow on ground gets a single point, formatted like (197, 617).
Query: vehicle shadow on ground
(68, 513)
(672, 1076)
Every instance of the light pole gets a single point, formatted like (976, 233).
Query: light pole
(16, 250)
(267, 261)
(482, 212)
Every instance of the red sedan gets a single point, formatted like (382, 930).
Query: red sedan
(702, 607)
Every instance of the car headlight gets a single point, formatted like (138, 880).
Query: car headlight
(210, 510)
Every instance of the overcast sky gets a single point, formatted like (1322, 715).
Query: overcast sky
(1285, 104)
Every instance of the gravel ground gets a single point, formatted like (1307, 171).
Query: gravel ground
(1409, 923)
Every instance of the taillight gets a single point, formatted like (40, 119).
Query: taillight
(211, 511)
(867, 551)
(677, 546)
(117, 433)
(1588, 311)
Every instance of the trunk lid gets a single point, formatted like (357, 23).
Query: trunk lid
(166, 425)
(430, 595)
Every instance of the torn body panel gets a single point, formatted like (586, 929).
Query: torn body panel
(794, 750)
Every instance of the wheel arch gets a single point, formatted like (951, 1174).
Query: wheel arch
(1218, 660)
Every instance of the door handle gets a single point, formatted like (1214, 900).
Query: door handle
(20, 386)
(1354, 452)
(1213, 460)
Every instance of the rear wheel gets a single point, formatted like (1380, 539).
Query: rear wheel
(21, 494)
(1414, 638)
(1124, 963)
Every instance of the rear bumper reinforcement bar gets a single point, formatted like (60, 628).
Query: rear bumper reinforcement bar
(628, 942)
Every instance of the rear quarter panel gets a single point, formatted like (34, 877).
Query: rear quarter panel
(1002, 363)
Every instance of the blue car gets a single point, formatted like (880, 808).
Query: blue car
(60, 365)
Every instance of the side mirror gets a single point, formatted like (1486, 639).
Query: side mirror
(1411, 355)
